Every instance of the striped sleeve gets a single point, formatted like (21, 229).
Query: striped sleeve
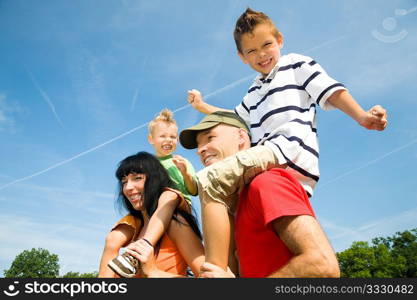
(317, 83)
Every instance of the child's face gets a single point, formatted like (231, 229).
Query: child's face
(164, 138)
(260, 49)
(133, 189)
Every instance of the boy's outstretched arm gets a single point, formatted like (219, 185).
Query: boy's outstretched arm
(189, 180)
(373, 119)
(162, 216)
(196, 100)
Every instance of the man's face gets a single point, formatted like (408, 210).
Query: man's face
(261, 49)
(217, 143)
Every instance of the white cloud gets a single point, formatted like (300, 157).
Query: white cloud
(78, 246)
(341, 237)
(8, 110)
(97, 204)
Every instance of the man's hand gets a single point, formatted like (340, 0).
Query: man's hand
(208, 270)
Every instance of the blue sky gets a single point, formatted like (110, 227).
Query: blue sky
(80, 80)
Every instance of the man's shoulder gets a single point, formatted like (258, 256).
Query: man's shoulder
(274, 181)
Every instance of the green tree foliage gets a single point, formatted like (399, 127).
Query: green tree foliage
(39, 263)
(391, 257)
(403, 244)
(78, 275)
(35, 263)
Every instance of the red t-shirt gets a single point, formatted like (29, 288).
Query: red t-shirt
(271, 195)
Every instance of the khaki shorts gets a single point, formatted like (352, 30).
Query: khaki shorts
(223, 180)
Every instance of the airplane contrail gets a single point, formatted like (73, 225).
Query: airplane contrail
(369, 163)
(46, 98)
(208, 96)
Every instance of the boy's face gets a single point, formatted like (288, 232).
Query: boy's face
(164, 138)
(260, 49)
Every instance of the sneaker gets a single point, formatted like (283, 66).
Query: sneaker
(125, 265)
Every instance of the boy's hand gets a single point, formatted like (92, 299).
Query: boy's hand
(180, 163)
(195, 99)
(208, 270)
(374, 119)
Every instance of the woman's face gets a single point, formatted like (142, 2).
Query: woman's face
(134, 188)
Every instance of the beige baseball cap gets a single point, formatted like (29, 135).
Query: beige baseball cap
(188, 137)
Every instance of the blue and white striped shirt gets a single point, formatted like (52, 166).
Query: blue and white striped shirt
(281, 112)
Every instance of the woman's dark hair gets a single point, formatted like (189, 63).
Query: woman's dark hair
(157, 180)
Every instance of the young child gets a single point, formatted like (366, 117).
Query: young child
(163, 135)
(143, 185)
(280, 110)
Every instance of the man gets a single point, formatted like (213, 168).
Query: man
(276, 232)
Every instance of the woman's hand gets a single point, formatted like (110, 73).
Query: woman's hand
(144, 252)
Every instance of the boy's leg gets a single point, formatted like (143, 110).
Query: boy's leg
(227, 177)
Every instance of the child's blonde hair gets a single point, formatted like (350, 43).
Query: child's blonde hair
(164, 116)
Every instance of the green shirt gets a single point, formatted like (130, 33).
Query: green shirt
(176, 175)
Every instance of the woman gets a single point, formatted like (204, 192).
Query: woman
(142, 182)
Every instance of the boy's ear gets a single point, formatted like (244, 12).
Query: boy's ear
(280, 41)
(150, 139)
(242, 57)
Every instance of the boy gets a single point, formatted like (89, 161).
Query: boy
(163, 136)
(280, 109)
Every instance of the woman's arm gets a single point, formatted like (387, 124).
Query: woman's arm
(187, 242)
(115, 240)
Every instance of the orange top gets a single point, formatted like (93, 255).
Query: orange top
(169, 258)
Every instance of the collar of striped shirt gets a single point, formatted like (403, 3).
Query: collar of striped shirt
(259, 80)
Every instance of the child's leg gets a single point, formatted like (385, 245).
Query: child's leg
(225, 178)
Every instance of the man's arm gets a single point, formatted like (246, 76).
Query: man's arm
(196, 100)
(313, 254)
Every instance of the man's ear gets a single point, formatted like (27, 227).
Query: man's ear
(243, 139)
(242, 57)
